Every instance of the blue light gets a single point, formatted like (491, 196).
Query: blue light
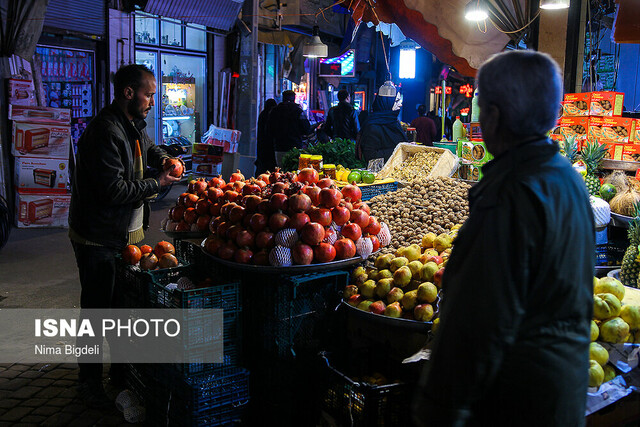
(347, 60)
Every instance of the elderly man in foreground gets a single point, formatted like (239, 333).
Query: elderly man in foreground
(512, 347)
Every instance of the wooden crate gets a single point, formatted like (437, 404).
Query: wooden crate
(446, 165)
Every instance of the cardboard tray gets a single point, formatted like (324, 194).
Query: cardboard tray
(446, 165)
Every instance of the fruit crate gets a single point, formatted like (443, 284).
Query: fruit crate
(212, 399)
(225, 296)
(287, 314)
(610, 254)
(190, 252)
(355, 403)
(371, 190)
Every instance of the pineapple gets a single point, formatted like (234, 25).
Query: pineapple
(630, 263)
(592, 155)
(569, 149)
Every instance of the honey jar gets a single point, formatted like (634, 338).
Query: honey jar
(316, 162)
(329, 171)
(303, 161)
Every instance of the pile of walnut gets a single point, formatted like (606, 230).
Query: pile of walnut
(426, 205)
(417, 166)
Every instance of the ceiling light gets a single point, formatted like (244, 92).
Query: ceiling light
(476, 10)
(554, 4)
(388, 89)
(314, 48)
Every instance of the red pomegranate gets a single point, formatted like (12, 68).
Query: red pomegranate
(312, 233)
(214, 209)
(298, 220)
(245, 238)
(351, 231)
(236, 214)
(190, 215)
(226, 208)
(363, 206)
(231, 195)
(299, 202)
(374, 226)
(251, 188)
(260, 258)
(264, 177)
(320, 215)
(233, 232)
(330, 197)
(340, 215)
(131, 254)
(213, 243)
(176, 213)
(203, 222)
(308, 175)
(202, 206)
(345, 248)
(216, 181)
(360, 217)
(279, 187)
(236, 176)
(265, 240)
(376, 243)
(238, 186)
(324, 252)
(251, 202)
(215, 194)
(302, 254)
(190, 200)
(258, 222)
(313, 192)
(278, 201)
(223, 229)
(352, 192)
(227, 251)
(325, 183)
(176, 164)
(264, 207)
(200, 187)
(278, 221)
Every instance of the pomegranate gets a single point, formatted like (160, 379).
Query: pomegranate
(278, 221)
(214, 209)
(299, 202)
(131, 254)
(238, 186)
(190, 186)
(216, 181)
(231, 196)
(260, 258)
(251, 202)
(298, 220)
(324, 252)
(257, 222)
(176, 164)
(245, 238)
(203, 222)
(214, 194)
(146, 249)
(148, 262)
(345, 248)
(312, 233)
(264, 207)
(264, 177)
(227, 187)
(233, 231)
(236, 214)
(212, 244)
(325, 183)
(374, 226)
(236, 176)
(176, 213)
(200, 187)
(182, 199)
(278, 202)
(352, 192)
(167, 261)
(360, 217)
(164, 247)
(340, 215)
(275, 176)
(376, 243)
(308, 175)
(330, 197)
(190, 200)
(279, 187)
(320, 215)
(226, 208)
(302, 254)
(223, 229)
(183, 226)
(190, 215)
(330, 236)
(214, 223)
(202, 206)
(347, 204)
(352, 231)
(363, 206)
(313, 192)
(251, 188)
(260, 183)
(227, 250)
(246, 219)
(243, 255)
(265, 240)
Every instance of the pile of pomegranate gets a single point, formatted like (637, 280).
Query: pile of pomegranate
(148, 258)
(279, 219)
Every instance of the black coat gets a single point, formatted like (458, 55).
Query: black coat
(265, 151)
(380, 135)
(342, 121)
(287, 126)
(512, 347)
(104, 192)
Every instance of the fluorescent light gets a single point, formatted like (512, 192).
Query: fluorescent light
(407, 64)
(176, 117)
(554, 4)
(314, 48)
(476, 10)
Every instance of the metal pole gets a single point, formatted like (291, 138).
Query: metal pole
(444, 96)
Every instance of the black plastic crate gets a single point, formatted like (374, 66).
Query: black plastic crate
(610, 254)
(370, 191)
(349, 400)
(216, 398)
(191, 252)
(289, 314)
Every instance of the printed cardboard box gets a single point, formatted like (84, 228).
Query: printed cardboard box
(42, 210)
(24, 113)
(576, 104)
(42, 140)
(41, 175)
(21, 92)
(621, 151)
(610, 129)
(635, 131)
(571, 127)
(607, 104)
(473, 151)
(206, 165)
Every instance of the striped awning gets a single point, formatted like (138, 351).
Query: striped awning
(218, 14)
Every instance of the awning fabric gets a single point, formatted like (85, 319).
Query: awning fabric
(626, 28)
(438, 26)
(218, 14)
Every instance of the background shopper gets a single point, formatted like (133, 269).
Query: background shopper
(287, 126)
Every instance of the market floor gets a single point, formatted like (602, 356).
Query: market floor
(38, 270)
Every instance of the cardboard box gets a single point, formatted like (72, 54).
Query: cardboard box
(207, 150)
(571, 127)
(42, 210)
(635, 131)
(607, 104)
(42, 140)
(41, 175)
(621, 151)
(24, 113)
(576, 104)
(473, 152)
(226, 138)
(21, 92)
(202, 167)
(610, 129)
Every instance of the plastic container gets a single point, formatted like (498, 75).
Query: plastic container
(475, 109)
(458, 130)
(412, 135)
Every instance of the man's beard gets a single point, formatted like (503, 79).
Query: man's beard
(135, 109)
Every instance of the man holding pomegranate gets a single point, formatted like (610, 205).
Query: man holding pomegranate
(512, 346)
(109, 207)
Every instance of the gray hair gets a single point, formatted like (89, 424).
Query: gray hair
(526, 86)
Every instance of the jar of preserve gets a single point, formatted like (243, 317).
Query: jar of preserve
(329, 170)
(412, 134)
(303, 161)
(316, 162)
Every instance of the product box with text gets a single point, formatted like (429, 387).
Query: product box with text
(576, 104)
(571, 127)
(610, 128)
(42, 210)
(43, 140)
(635, 131)
(608, 104)
(204, 165)
(41, 175)
(31, 114)
(621, 151)
(21, 92)
(226, 138)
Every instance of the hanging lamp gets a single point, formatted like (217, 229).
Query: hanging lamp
(554, 4)
(314, 48)
(476, 10)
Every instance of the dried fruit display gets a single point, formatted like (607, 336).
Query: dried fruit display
(433, 205)
(417, 166)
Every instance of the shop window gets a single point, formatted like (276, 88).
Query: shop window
(150, 60)
(146, 28)
(270, 71)
(171, 31)
(196, 37)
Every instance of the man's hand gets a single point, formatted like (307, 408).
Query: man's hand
(165, 179)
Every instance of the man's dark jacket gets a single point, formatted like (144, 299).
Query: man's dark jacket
(104, 191)
(381, 135)
(342, 121)
(287, 125)
(512, 347)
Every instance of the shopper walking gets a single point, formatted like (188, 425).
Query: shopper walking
(515, 322)
(425, 127)
(287, 126)
(382, 132)
(342, 120)
(265, 153)
(108, 200)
